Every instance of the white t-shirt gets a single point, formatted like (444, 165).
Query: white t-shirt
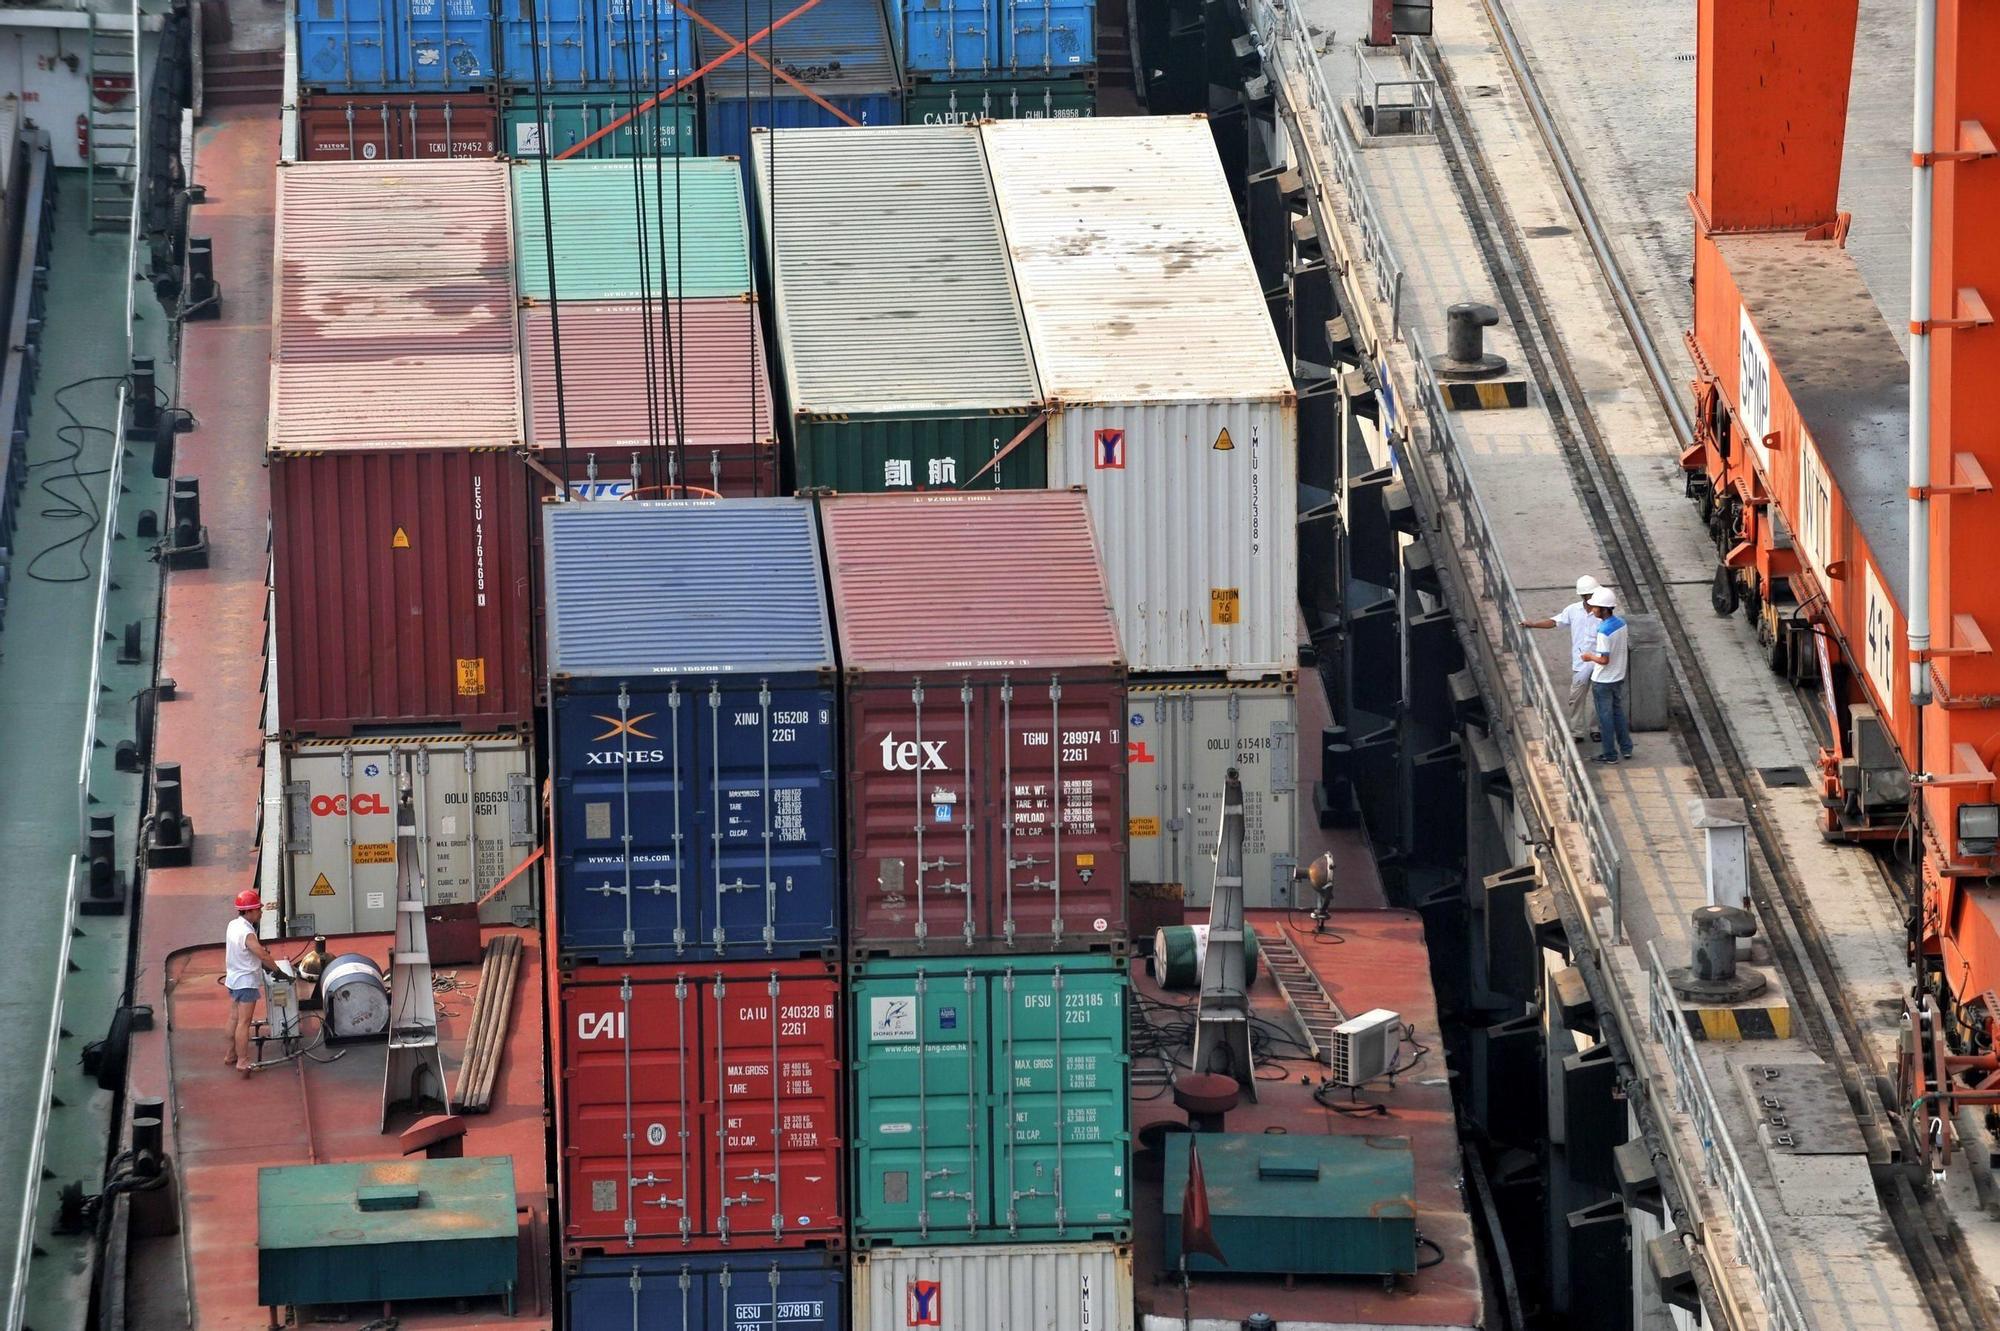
(240, 968)
(1582, 626)
(1612, 643)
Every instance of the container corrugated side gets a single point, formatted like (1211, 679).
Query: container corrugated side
(893, 294)
(995, 1287)
(666, 587)
(1012, 582)
(708, 353)
(402, 590)
(394, 308)
(837, 47)
(731, 1291)
(1010, 1073)
(729, 121)
(697, 237)
(1182, 743)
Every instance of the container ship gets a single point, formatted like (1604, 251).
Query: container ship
(707, 690)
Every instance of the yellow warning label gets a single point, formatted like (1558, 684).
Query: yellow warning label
(471, 676)
(1223, 443)
(321, 888)
(374, 852)
(401, 540)
(1142, 827)
(1225, 606)
(1085, 861)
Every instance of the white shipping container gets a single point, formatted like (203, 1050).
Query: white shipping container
(995, 1287)
(475, 814)
(1172, 403)
(1182, 739)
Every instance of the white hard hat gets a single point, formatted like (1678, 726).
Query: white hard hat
(1585, 585)
(1603, 599)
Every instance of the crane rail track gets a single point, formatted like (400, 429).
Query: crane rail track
(1959, 1300)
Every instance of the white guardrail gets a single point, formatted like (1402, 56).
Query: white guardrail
(1283, 37)
(79, 866)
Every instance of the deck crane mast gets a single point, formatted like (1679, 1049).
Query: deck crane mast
(1847, 488)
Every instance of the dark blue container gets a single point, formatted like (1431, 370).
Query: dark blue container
(728, 121)
(349, 45)
(448, 44)
(764, 1291)
(566, 32)
(692, 692)
(997, 39)
(643, 43)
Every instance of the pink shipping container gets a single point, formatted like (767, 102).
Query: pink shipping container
(394, 308)
(985, 724)
(730, 444)
(400, 519)
(402, 590)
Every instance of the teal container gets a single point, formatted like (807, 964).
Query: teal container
(990, 1101)
(1300, 1203)
(568, 118)
(697, 233)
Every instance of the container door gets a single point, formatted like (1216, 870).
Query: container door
(645, 44)
(772, 1151)
(920, 1078)
(951, 38)
(642, 1294)
(481, 820)
(1059, 870)
(1050, 37)
(624, 762)
(1256, 732)
(632, 1085)
(441, 130)
(913, 749)
(1060, 1125)
(347, 44)
(349, 800)
(770, 821)
(1152, 721)
(771, 1295)
(567, 121)
(336, 130)
(450, 43)
(559, 39)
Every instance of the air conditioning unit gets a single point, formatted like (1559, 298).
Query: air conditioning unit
(1877, 778)
(1364, 1047)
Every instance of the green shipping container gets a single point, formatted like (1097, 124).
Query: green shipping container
(1005, 99)
(866, 454)
(990, 1101)
(695, 203)
(568, 118)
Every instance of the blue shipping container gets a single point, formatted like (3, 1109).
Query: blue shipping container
(986, 39)
(348, 44)
(767, 1291)
(448, 44)
(565, 30)
(643, 43)
(693, 696)
(836, 47)
(730, 120)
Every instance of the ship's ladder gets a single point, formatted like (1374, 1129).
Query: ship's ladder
(1312, 1007)
(113, 122)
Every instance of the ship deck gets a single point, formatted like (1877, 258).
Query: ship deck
(1381, 961)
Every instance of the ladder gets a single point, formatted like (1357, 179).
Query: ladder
(1312, 1007)
(113, 117)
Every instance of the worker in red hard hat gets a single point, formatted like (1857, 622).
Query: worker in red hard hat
(244, 960)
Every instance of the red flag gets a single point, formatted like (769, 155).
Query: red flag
(1196, 1235)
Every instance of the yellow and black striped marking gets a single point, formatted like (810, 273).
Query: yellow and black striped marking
(1742, 1023)
(1488, 395)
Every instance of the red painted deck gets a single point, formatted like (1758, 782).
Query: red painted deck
(222, 1127)
(1382, 962)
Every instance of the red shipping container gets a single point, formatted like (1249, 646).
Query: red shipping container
(370, 127)
(985, 724)
(702, 1107)
(729, 439)
(403, 590)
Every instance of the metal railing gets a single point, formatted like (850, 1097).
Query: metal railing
(1394, 106)
(1725, 1168)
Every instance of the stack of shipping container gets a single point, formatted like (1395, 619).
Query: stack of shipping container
(400, 546)
(693, 703)
(983, 728)
(997, 59)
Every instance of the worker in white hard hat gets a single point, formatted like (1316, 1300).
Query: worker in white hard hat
(1608, 657)
(1582, 626)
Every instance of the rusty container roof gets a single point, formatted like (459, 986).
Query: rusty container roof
(991, 580)
(717, 371)
(393, 308)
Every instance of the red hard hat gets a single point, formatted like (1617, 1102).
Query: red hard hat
(249, 899)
